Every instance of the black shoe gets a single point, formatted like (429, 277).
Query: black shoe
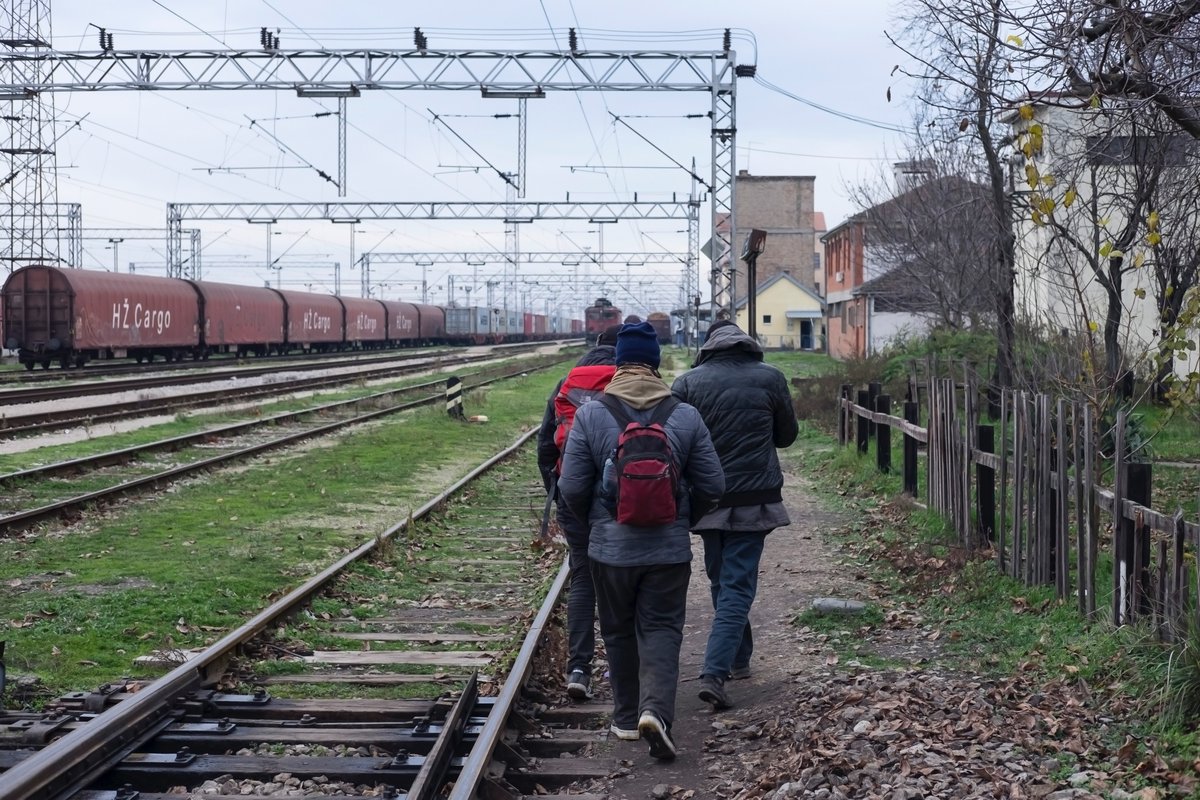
(652, 729)
(739, 673)
(712, 690)
(579, 685)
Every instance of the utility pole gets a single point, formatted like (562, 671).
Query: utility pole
(116, 261)
(30, 177)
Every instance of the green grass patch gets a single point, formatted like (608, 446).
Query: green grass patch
(800, 364)
(182, 568)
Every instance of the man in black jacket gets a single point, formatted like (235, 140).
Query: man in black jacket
(748, 409)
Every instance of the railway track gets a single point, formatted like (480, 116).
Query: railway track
(24, 502)
(14, 422)
(209, 727)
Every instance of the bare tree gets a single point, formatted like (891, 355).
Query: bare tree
(929, 254)
(1131, 50)
(963, 62)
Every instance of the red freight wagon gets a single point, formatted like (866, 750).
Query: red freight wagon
(528, 324)
(539, 324)
(314, 321)
(403, 322)
(240, 319)
(366, 321)
(433, 322)
(72, 315)
(576, 326)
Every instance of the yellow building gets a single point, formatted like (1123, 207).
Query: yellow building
(789, 315)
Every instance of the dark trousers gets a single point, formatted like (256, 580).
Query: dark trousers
(731, 563)
(641, 611)
(581, 600)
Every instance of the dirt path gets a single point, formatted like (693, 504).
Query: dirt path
(805, 725)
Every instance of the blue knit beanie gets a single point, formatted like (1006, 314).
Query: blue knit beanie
(637, 343)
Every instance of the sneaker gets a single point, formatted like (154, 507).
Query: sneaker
(655, 732)
(625, 734)
(739, 673)
(712, 690)
(579, 685)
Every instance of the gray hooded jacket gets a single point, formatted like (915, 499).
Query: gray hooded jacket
(593, 438)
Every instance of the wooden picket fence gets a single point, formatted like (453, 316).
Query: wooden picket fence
(1042, 476)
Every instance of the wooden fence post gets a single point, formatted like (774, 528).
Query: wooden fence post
(862, 426)
(1139, 492)
(844, 415)
(873, 390)
(910, 450)
(883, 435)
(985, 484)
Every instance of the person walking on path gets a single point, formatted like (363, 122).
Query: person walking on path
(641, 572)
(584, 382)
(747, 406)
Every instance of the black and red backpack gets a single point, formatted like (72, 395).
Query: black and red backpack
(581, 384)
(645, 477)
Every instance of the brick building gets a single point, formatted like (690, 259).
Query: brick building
(781, 205)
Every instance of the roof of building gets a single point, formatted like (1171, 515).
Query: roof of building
(819, 221)
(762, 287)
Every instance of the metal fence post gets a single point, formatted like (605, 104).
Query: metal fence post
(985, 483)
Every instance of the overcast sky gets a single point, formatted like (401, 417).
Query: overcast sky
(137, 151)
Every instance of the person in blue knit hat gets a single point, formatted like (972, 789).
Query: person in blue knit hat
(640, 572)
(637, 343)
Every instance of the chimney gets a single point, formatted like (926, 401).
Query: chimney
(909, 175)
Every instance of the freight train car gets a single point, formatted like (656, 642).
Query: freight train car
(62, 316)
(366, 323)
(67, 316)
(661, 322)
(245, 320)
(599, 316)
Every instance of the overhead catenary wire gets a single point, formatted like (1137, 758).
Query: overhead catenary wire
(672, 159)
(874, 123)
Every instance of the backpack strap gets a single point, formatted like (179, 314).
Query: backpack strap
(660, 416)
(664, 411)
(616, 409)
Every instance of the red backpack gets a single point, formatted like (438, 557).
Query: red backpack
(581, 384)
(646, 477)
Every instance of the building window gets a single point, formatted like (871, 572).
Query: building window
(816, 260)
(766, 319)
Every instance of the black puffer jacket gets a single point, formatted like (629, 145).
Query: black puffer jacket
(748, 410)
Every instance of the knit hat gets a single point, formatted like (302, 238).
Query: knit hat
(609, 336)
(637, 343)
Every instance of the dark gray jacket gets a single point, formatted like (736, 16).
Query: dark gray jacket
(748, 409)
(594, 436)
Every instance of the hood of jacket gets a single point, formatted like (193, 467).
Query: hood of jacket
(728, 340)
(639, 386)
(600, 355)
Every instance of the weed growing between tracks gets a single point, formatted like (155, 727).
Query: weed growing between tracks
(193, 562)
(954, 613)
(472, 558)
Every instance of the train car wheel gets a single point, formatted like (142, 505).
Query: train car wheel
(45, 363)
(80, 360)
(28, 365)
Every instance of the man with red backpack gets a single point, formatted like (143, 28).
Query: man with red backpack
(638, 466)
(586, 381)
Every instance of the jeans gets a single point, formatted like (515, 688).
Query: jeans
(641, 611)
(581, 599)
(731, 563)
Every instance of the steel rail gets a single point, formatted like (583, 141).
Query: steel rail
(68, 764)
(436, 767)
(23, 519)
(477, 763)
(53, 420)
(127, 454)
